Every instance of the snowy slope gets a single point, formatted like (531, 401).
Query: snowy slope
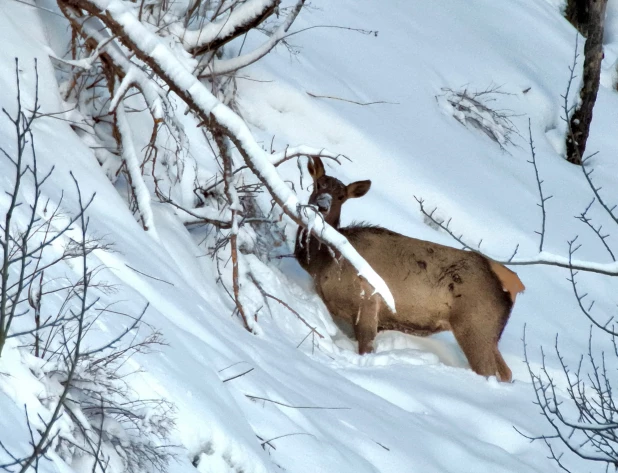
(413, 405)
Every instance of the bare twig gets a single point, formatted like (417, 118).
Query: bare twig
(238, 375)
(350, 101)
(539, 182)
(287, 306)
(596, 190)
(147, 275)
(41, 446)
(283, 404)
(606, 327)
(583, 217)
(232, 197)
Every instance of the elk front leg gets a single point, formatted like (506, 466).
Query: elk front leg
(366, 322)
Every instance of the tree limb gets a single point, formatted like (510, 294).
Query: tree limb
(227, 66)
(151, 50)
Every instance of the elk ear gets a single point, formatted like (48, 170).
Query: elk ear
(316, 168)
(358, 189)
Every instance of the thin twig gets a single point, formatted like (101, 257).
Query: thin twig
(238, 375)
(257, 398)
(287, 306)
(583, 217)
(349, 101)
(147, 275)
(539, 182)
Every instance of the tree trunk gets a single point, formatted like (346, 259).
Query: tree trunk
(578, 15)
(579, 124)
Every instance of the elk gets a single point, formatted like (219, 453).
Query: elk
(435, 287)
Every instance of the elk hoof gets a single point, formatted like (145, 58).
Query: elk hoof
(365, 349)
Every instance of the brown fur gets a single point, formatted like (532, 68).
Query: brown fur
(435, 287)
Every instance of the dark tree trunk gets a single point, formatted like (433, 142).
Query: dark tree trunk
(577, 12)
(579, 124)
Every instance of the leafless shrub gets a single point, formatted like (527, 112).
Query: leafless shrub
(30, 227)
(581, 408)
(89, 388)
(476, 109)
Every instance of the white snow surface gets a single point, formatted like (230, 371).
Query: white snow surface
(414, 405)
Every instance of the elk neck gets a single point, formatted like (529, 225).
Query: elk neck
(310, 252)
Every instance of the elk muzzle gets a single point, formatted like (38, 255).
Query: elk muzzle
(323, 201)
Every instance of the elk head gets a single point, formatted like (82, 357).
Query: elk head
(329, 193)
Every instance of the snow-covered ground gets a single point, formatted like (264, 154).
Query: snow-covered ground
(414, 405)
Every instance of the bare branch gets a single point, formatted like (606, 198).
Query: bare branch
(287, 306)
(539, 182)
(583, 217)
(234, 204)
(350, 101)
(283, 404)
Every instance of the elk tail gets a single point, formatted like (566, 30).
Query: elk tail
(509, 279)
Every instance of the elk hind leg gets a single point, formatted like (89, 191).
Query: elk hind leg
(504, 372)
(480, 347)
(366, 321)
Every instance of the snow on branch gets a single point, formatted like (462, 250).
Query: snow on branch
(227, 66)
(220, 218)
(297, 151)
(215, 34)
(550, 259)
(122, 22)
(134, 76)
(138, 186)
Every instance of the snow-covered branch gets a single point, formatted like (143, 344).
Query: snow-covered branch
(123, 23)
(227, 66)
(131, 161)
(239, 21)
(220, 218)
(94, 31)
(549, 259)
(297, 151)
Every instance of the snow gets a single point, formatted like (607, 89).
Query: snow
(414, 404)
